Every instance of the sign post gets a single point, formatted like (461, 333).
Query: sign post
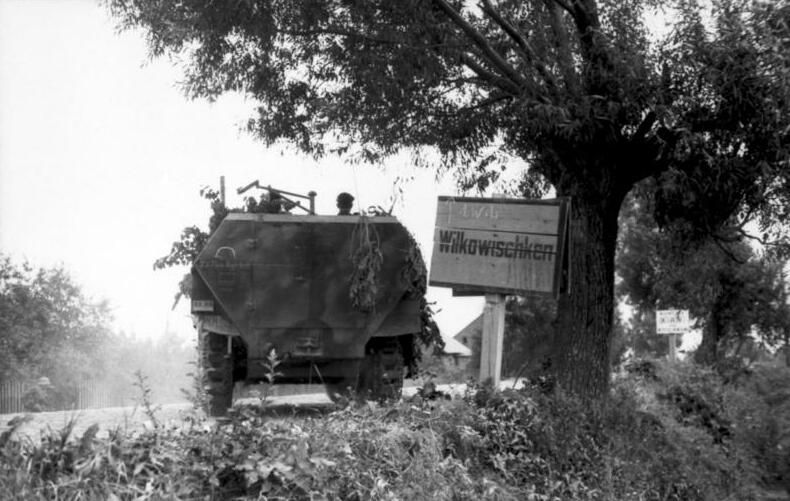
(499, 246)
(672, 322)
(492, 340)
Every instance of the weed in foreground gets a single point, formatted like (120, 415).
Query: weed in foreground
(488, 445)
(146, 398)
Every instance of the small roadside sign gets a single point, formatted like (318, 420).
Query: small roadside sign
(672, 321)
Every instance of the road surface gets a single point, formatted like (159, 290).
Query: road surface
(135, 419)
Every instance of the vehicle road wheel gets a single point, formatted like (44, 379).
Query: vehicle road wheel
(381, 373)
(341, 392)
(217, 373)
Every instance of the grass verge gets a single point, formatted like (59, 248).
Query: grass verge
(666, 433)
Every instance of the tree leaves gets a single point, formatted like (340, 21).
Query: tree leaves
(48, 327)
(732, 291)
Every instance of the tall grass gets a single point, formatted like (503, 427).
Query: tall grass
(671, 433)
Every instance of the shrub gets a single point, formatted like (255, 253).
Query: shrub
(759, 404)
(363, 453)
(658, 437)
(560, 447)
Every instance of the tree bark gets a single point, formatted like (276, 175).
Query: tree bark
(707, 352)
(787, 350)
(787, 346)
(584, 324)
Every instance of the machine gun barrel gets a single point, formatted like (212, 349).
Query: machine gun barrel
(310, 195)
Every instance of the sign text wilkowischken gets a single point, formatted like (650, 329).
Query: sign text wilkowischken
(507, 246)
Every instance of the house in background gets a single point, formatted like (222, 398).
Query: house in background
(470, 335)
(527, 342)
(459, 349)
(450, 365)
(455, 354)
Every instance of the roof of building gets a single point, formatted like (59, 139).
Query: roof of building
(453, 347)
(473, 330)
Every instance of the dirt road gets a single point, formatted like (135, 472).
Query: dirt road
(135, 418)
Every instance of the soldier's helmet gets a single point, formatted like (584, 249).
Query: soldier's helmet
(344, 202)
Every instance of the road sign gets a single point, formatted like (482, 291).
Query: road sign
(672, 321)
(497, 245)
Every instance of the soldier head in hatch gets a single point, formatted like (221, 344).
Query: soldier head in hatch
(344, 203)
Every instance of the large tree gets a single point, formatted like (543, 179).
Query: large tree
(732, 289)
(579, 89)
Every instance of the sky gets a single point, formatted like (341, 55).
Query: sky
(102, 159)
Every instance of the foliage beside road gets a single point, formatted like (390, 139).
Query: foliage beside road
(49, 328)
(666, 432)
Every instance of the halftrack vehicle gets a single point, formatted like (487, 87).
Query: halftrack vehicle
(329, 296)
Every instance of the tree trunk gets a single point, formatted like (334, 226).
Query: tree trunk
(585, 315)
(707, 352)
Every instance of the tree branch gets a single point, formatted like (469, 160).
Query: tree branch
(565, 6)
(746, 219)
(337, 32)
(593, 49)
(367, 38)
(480, 41)
(584, 15)
(526, 51)
(565, 58)
(645, 126)
(646, 156)
(729, 253)
(491, 100)
(492, 78)
(761, 241)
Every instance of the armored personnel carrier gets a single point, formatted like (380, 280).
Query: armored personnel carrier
(331, 298)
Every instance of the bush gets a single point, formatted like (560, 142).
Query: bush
(560, 447)
(669, 431)
(734, 432)
(658, 437)
(760, 405)
(363, 453)
(435, 367)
